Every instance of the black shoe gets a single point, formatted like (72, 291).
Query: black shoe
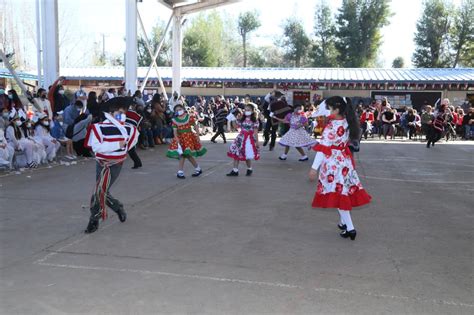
(271, 147)
(136, 166)
(122, 215)
(225, 141)
(92, 227)
(180, 176)
(197, 173)
(342, 227)
(348, 234)
(428, 145)
(265, 143)
(282, 158)
(249, 173)
(213, 141)
(304, 159)
(233, 173)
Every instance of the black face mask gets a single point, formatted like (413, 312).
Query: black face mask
(43, 96)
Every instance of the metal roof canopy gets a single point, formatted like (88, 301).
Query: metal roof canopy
(48, 48)
(179, 9)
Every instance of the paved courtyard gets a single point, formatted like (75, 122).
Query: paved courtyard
(243, 245)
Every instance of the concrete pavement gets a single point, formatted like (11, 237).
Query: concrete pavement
(243, 245)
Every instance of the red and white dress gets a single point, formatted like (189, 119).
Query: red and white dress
(244, 147)
(338, 185)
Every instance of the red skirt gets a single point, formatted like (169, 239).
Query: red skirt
(340, 201)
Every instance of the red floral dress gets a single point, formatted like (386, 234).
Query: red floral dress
(189, 143)
(244, 146)
(338, 185)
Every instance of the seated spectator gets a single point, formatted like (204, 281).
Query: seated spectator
(6, 151)
(72, 112)
(43, 135)
(468, 123)
(81, 126)
(388, 121)
(39, 148)
(58, 133)
(16, 137)
(410, 120)
(44, 103)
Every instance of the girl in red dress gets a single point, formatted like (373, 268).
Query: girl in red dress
(338, 184)
(185, 144)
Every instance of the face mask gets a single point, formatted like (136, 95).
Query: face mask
(28, 125)
(149, 110)
(43, 96)
(46, 123)
(61, 123)
(248, 113)
(61, 92)
(18, 123)
(10, 97)
(180, 112)
(2, 91)
(120, 117)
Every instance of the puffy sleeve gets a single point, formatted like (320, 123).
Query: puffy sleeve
(303, 120)
(173, 124)
(328, 138)
(94, 141)
(192, 120)
(288, 118)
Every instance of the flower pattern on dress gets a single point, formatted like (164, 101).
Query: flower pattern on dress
(297, 136)
(244, 147)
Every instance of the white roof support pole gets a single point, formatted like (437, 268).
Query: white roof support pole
(131, 45)
(38, 43)
(177, 51)
(49, 18)
(154, 56)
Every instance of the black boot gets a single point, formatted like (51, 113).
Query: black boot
(92, 227)
(122, 215)
(233, 173)
(348, 234)
(265, 142)
(249, 172)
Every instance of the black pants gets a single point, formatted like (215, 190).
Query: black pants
(270, 132)
(111, 202)
(80, 150)
(134, 156)
(433, 136)
(220, 132)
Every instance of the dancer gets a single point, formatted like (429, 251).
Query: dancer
(185, 144)
(338, 185)
(437, 127)
(296, 137)
(134, 119)
(245, 146)
(110, 140)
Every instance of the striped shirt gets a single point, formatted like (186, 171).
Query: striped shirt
(104, 139)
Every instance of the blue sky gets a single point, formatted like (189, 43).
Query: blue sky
(84, 22)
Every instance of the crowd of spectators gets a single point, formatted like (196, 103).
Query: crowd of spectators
(33, 135)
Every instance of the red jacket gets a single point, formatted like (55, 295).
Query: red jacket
(367, 117)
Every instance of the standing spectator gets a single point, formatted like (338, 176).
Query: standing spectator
(459, 122)
(173, 101)
(56, 95)
(80, 95)
(4, 102)
(138, 98)
(93, 106)
(44, 103)
(427, 118)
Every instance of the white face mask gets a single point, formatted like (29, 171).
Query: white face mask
(61, 123)
(28, 125)
(46, 123)
(248, 113)
(120, 117)
(149, 110)
(18, 123)
(180, 112)
(61, 92)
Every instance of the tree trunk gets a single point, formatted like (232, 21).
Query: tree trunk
(244, 39)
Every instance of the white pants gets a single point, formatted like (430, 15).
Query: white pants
(6, 155)
(50, 147)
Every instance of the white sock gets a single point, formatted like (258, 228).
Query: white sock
(283, 156)
(249, 168)
(235, 170)
(198, 168)
(341, 220)
(180, 172)
(346, 217)
(304, 156)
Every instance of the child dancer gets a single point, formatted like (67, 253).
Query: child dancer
(185, 144)
(297, 136)
(245, 147)
(338, 185)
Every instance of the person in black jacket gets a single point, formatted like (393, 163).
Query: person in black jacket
(221, 115)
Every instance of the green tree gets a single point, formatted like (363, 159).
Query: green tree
(324, 53)
(204, 41)
(247, 22)
(431, 37)
(462, 35)
(295, 42)
(398, 63)
(163, 59)
(358, 35)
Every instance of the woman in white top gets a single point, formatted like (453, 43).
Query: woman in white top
(43, 135)
(6, 151)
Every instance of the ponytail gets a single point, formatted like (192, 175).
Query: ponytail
(352, 121)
